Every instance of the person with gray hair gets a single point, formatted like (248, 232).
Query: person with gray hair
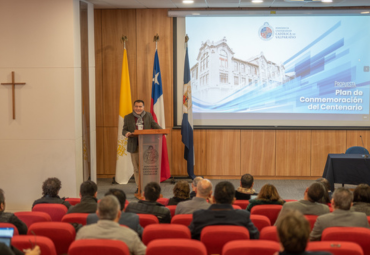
(204, 192)
(109, 212)
(194, 185)
(341, 216)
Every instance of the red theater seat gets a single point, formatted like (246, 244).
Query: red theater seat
(270, 211)
(311, 219)
(215, 237)
(61, 233)
(172, 209)
(165, 231)
(270, 234)
(358, 235)
(175, 247)
(335, 248)
(73, 201)
(147, 219)
(242, 203)
(260, 221)
(56, 211)
(183, 219)
(32, 217)
(251, 247)
(27, 242)
(75, 218)
(164, 201)
(98, 247)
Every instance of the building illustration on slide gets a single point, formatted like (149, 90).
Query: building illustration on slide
(218, 72)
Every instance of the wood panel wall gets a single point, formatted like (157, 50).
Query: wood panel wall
(218, 153)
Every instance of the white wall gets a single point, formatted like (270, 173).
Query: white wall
(40, 42)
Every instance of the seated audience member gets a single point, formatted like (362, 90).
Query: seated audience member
(194, 185)
(5, 250)
(108, 228)
(204, 191)
(89, 203)
(181, 192)
(267, 195)
(6, 217)
(50, 190)
(128, 219)
(293, 231)
(222, 213)
(327, 195)
(150, 206)
(341, 216)
(361, 199)
(245, 190)
(309, 204)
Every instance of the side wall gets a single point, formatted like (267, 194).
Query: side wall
(218, 153)
(41, 44)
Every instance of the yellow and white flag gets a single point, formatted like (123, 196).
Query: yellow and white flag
(124, 168)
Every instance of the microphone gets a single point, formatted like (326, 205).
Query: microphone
(363, 146)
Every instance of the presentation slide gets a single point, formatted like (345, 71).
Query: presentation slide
(280, 71)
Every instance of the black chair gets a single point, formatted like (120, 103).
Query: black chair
(357, 150)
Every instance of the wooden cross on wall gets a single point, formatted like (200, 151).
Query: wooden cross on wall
(13, 91)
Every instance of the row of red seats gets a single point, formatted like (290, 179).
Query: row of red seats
(213, 238)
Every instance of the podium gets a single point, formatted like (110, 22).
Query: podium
(150, 156)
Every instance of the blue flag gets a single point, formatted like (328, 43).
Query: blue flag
(187, 119)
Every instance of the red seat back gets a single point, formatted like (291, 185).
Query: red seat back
(172, 209)
(9, 225)
(73, 201)
(56, 211)
(147, 219)
(61, 233)
(183, 219)
(75, 218)
(290, 200)
(236, 207)
(244, 247)
(311, 219)
(32, 217)
(270, 211)
(165, 231)
(358, 235)
(27, 241)
(269, 233)
(98, 247)
(215, 237)
(175, 246)
(242, 203)
(260, 221)
(164, 201)
(335, 248)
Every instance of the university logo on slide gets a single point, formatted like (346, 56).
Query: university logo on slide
(266, 32)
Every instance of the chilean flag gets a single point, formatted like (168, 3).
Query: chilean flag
(157, 110)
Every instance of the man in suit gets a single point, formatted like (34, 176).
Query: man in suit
(222, 213)
(309, 204)
(137, 120)
(204, 192)
(341, 216)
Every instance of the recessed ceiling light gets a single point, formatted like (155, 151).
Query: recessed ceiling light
(257, 1)
(365, 12)
(326, 1)
(188, 2)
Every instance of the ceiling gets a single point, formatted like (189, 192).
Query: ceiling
(176, 4)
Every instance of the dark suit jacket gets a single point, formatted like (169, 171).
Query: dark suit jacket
(146, 207)
(221, 214)
(129, 125)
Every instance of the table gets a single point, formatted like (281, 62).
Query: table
(347, 168)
